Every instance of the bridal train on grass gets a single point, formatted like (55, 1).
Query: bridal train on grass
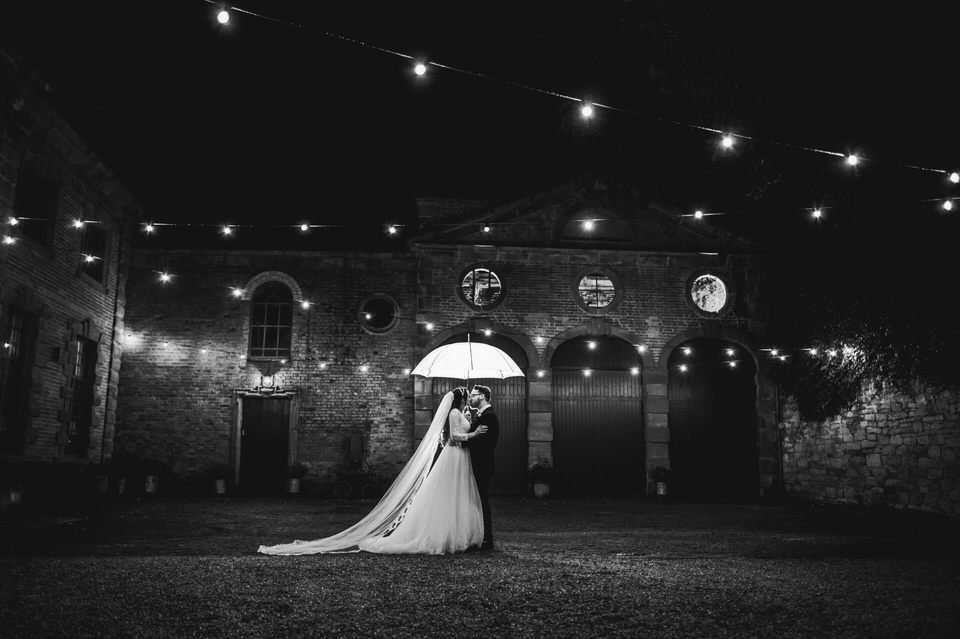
(426, 510)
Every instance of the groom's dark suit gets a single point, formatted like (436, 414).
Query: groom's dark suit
(481, 457)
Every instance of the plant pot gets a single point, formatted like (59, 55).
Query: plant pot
(541, 490)
(150, 483)
(293, 485)
(662, 488)
(220, 486)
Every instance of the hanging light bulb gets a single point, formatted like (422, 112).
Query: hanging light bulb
(698, 214)
(727, 141)
(817, 213)
(586, 110)
(955, 177)
(226, 230)
(420, 68)
(223, 16)
(304, 227)
(852, 159)
(948, 205)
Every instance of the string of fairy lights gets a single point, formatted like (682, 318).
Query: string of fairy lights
(685, 359)
(727, 140)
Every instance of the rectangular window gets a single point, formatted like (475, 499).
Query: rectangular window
(35, 205)
(17, 349)
(271, 322)
(94, 251)
(83, 367)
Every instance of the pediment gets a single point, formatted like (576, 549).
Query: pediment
(571, 216)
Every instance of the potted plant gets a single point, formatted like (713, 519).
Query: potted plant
(11, 482)
(152, 470)
(294, 473)
(218, 474)
(541, 472)
(661, 477)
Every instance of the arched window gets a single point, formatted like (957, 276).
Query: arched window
(271, 321)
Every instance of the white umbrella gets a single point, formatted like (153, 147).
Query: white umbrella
(468, 360)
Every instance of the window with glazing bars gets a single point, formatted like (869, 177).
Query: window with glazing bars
(83, 367)
(271, 321)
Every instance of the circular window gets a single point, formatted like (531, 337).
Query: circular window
(378, 313)
(709, 293)
(481, 288)
(596, 290)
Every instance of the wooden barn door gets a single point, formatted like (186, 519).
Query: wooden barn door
(509, 399)
(713, 422)
(264, 443)
(598, 433)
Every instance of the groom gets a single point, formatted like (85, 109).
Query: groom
(481, 454)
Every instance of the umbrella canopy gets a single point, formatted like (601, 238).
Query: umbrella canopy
(468, 360)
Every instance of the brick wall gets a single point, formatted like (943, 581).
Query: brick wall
(44, 279)
(890, 449)
(186, 345)
(540, 310)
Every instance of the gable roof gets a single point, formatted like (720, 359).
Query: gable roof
(556, 219)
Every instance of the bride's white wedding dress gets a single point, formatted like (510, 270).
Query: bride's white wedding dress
(425, 511)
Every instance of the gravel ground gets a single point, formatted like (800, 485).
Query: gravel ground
(189, 568)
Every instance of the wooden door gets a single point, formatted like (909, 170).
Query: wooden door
(264, 443)
(713, 422)
(597, 433)
(509, 399)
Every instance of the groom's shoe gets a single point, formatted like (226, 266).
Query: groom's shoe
(487, 545)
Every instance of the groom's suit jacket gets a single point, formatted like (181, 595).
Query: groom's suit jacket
(481, 447)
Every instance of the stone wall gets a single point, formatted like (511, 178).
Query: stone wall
(891, 449)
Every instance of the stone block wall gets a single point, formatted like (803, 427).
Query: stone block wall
(186, 356)
(891, 450)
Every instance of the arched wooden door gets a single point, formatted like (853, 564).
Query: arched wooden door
(713, 421)
(597, 419)
(509, 399)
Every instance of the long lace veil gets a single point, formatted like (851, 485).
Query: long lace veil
(390, 506)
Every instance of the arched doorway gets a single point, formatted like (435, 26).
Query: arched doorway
(509, 399)
(713, 421)
(597, 418)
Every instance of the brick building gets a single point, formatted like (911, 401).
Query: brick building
(261, 358)
(65, 229)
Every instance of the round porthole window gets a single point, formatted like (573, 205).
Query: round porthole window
(709, 293)
(597, 290)
(481, 288)
(378, 313)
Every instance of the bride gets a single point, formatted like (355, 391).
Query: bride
(424, 511)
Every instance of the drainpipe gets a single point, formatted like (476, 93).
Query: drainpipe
(113, 338)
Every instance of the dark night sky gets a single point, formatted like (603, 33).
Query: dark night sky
(262, 122)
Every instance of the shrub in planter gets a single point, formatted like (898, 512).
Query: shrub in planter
(294, 473)
(661, 477)
(151, 470)
(11, 481)
(218, 474)
(541, 473)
